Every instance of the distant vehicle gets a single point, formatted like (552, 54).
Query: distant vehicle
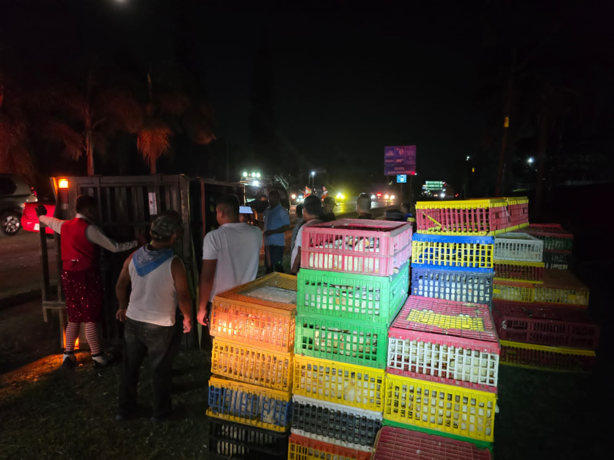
(29, 219)
(14, 194)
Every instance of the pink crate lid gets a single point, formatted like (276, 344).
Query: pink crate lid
(398, 443)
(471, 311)
(525, 310)
(365, 227)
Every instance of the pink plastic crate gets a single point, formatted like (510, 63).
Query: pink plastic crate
(373, 247)
(398, 443)
(453, 343)
(545, 325)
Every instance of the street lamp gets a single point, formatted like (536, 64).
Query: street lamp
(530, 160)
(313, 179)
(468, 157)
(245, 174)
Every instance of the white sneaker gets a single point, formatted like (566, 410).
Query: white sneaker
(102, 360)
(69, 361)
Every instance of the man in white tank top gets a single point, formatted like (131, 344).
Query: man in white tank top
(159, 283)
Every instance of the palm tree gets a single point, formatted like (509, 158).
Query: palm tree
(167, 112)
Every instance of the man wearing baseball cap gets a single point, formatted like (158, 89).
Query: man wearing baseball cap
(159, 283)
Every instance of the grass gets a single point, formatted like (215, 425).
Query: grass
(52, 413)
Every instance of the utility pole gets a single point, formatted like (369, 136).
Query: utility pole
(507, 111)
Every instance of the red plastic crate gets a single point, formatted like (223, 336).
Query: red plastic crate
(400, 444)
(510, 270)
(374, 247)
(454, 343)
(545, 325)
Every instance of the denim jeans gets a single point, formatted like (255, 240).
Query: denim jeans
(276, 254)
(141, 340)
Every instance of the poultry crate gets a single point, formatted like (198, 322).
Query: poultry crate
(249, 404)
(335, 423)
(448, 284)
(346, 295)
(456, 410)
(542, 357)
(242, 362)
(344, 340)
(302, 448)
(331, 381)
(518, 209)
(260, 313)
(518, 247)
(394, 443)
(542, 324)
(468, 252)
(454, 343)
(555, 238)
(374, 247)
(558, 260)
(463, 217)
(243, 442)
(528, 272)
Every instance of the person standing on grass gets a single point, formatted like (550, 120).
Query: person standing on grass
(231, 255)
(312, 212)
(276, 224)
(81, 280)
(363, 207)
(159, 282)
(328, 209)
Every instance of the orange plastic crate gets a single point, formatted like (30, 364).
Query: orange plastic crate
(260, 313)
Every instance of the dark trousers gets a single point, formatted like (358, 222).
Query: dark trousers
(141, 340)
(275, 260)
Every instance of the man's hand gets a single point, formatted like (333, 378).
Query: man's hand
(203, 316)
(121, 314)
(41, 210)
(269, 233)
(187, 324)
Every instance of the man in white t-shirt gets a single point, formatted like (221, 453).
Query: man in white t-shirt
(230, 255)
(312, 213)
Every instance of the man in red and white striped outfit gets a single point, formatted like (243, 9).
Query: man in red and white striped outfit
(81, 280)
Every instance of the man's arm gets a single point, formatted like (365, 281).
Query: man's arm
(297, 262)
(183, 293)
(205, 287)
(95, 235)
(51, 222)
(121, 290)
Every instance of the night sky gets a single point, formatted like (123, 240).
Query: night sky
(345, 80)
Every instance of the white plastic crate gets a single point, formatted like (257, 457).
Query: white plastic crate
(519, 246)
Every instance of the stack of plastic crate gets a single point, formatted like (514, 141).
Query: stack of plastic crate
(443, 369)
(539, 312)
(354, 279)
(250, 399)
(558, 244)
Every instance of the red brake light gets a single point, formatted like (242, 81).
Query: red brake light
(379, 194)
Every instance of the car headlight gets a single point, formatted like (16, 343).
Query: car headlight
(392, 197)
(386, 196)
(294, 196)
(373, 197)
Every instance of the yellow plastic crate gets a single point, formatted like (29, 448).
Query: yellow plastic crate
(355, 386)
(249, 404)
(543, 357)
(516, 291)
(248, 364)
(260, 313)
(455, 410)
(519, 271)
(562, 287)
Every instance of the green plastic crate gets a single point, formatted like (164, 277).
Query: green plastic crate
(343, 340)
(366, 298)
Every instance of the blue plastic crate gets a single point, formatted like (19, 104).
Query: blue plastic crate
(452, 284)
(249, 404)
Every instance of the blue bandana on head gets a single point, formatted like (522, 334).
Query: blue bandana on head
(146, 261)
